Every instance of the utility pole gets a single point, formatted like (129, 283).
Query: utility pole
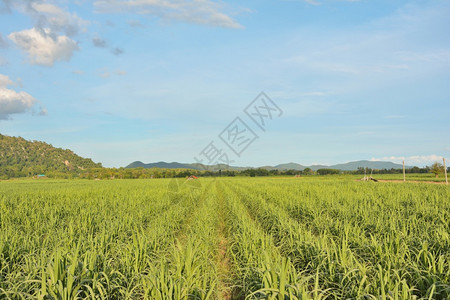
(404, 173)
(445, 171)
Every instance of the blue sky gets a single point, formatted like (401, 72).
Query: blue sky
(158, 80)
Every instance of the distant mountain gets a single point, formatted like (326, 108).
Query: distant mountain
(162, 165)
(20, 157)
(217, 167)
(317, 167)
(350, 166)
(177, 165)
(289, 166)
(354, 165)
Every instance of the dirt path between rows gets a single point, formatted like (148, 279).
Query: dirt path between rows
(223, 262)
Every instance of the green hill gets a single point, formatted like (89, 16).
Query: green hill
(21, 158)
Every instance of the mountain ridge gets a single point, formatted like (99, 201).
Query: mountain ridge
(348, 166)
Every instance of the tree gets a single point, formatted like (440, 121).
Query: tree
(328, 171)
(307, 171)
(437, 168)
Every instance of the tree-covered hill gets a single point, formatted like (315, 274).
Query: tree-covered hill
(20, 158)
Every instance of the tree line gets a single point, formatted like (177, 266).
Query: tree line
(142, 173)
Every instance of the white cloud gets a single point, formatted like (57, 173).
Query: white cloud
(41, 112)
(12, 102)
(3, 43)
(204, 12)
(117, 51)
(99, 42)
(411, 160)
(5, 81)
(60, 20)
(43, 46)
(50, 38)
(47, 15)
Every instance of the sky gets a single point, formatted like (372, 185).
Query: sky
(164, 80)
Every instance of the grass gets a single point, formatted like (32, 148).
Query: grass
(412, 177)
(227, 238)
